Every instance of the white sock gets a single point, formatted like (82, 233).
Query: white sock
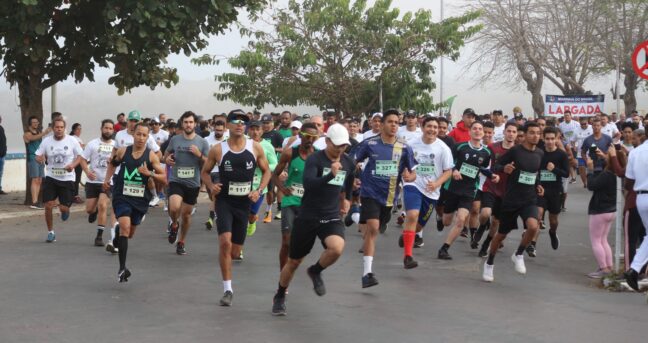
(356, 218)
(112, 233)
(367, 261)
(268, 207)
(420, 234)
(227, 286)
(154, 192)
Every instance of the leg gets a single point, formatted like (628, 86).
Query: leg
(369, 235)
(462, 215)
(91, 205)
(175, 204)
(185, 213)
(48, 214)
(225, 255)
(288, 272)
(597, 229)
(285, 248)
(102, 209)
(35, 188)
(583, 175)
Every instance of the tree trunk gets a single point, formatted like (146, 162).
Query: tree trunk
(30, 92)
(630, 81)
(537, 102)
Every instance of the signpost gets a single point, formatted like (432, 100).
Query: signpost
(578, 105)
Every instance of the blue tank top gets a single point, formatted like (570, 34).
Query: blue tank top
(131, 186)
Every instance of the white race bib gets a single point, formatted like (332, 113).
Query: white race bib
(426, 169)
(59, 172)
(133, 189)
(297, 190)
(239, 188)
(338, 180)
(185, 172)
(546, 175)
(469, 170)
(527, 178)
(386, 168)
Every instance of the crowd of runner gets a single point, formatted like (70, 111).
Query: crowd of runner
(325, 173)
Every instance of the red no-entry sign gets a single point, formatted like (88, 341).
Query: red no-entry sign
(640, 60)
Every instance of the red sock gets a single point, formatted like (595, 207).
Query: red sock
(408, 241)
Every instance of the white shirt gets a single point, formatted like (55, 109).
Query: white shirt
(211, 140)
(579, 136)
(285, 141)
(98, 152)
(404, 135)
(569, 129)
(369, 134)
(320, 143)
(435, 158)
(358, 137)
(124, 139)
(498, 134)
(610, 129)
(59, 154)
(637, 168)
(160, 137)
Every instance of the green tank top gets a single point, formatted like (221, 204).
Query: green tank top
(295, 180)
(31, 149)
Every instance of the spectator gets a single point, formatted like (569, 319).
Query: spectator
(3, 153)
(76, 133)
(121, 123)
(35, 171)
(461, 133)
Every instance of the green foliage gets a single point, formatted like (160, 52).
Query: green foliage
(335, 53)
(49, 41)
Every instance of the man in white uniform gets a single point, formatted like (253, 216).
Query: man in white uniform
(410, 130)
(637, 173)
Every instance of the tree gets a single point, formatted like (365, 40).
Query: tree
(337, 53)
(47, 41)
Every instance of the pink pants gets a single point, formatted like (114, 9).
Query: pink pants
(599, 228)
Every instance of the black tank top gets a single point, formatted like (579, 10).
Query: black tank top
(129, 185)
(236, 171)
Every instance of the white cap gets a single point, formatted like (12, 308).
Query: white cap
(296, 123)
(155, 120)
(377, 114)
(338, 134)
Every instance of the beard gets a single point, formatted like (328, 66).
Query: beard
(218, 135)
(188, 131)
(106, 136)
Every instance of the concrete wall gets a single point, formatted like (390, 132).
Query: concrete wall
(13, 178)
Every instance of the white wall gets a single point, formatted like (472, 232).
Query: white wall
(13, 178)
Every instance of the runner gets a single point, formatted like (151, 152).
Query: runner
(522, 163)
(237, 157)
(569, 127)
(160, 136)
(62, 154)
(473, 221)
(580, 134)
(130, 194)
(96, 157)
(185, 155)
(387, 160)
(276, 139)
(499, 125)
(328, 181)
(434, 169)
(471, 159)
(410, 130)
(291, 164)
(217, 135)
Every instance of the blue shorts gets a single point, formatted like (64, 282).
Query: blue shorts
(124, 209)
(255, 206)
(415, 200)
(35, 169)
(581, 162)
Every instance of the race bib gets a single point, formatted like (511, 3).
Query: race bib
(469, 170)
(297, 190)
(239, 188)
(185, 172)
(386, 168)
(527, 178)
(338, 180)
(59, 172)
(426, 169)
(568, 134)
(546, 175)
(105, 148)
(133, 189)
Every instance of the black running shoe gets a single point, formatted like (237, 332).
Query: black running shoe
(279, 306)
(123, 275)
(444, 255)
(180, 249)
(369, 280)
(542, 225)
(361, 251)
(98, 241)
(400, 220)
(439, 225)
(632, 278)
(173, 232)
(483, 253)
(92, 217)
(383, 227)
(555, 242)
(464, 232)
(226, 300)
(531, 250)
(474, 244)
(409, 262)
(318, 283)
(348, 221)
(418, 242)
(400, 241)
(478, 235)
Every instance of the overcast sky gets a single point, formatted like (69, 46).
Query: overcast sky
(88, 103)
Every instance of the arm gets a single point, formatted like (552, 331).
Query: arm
(212, 158)
(262, 164)
(160, 174)
(284, 160)
(562, 170)
(115, 160)
(29, 136)
(311, 180)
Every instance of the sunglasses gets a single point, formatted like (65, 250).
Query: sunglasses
(307, 135)
(237, 121)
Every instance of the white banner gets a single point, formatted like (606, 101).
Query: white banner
(578, 105)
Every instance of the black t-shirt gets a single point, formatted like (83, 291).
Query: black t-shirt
(552, 180)
(274, 137)
(321, 198)
(521, 184)
(470, 162)
(449, 141)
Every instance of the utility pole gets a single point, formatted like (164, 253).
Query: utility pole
(441, 72)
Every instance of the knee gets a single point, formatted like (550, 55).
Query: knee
(336, 250)
(225, 246)
(293, 264)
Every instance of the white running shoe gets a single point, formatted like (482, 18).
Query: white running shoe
(488, 272)
(193, 210)
(518, 261)
(155, 201)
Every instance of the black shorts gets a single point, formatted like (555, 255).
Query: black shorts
(93, 190)
(478, 196)
(551, 201)
(371, 209)
(453, 202)
(490, 200)
(189, 194)
(288, 215)
(63, 190)
(508, 222)
(232, 216)
(306, 230)
(442, 196)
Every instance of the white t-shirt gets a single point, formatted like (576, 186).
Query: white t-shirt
(579, 136)
(569, 129)
(211, 140)
(404, 135)
(610, 129)
(285, 141)
(498, 134)
(359, 138)
(124, 139)
(320, 143)
(637, 168)
(59, 154)
(98, 152)
(369, 134)
(432, 160)
(160, 137)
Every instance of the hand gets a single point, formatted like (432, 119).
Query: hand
(612, 151)
(254, 196)
(356, 184)
(495, 178)
(170, 160)
(40, 159)
(106, 186)
(196, 151)
(285, 190)
(456, 175)
(335, 166)
(283, 176)
(91, 176)
(216, 188)
(409, 176)
(48, 130)
(344, 207)
(601, 154)
(431, 186)
(550, 166)
(144, 171)
(509, 168)
(540, 190)
(589, 163)
(68, 168)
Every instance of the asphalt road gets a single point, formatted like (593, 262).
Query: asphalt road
(68, 291)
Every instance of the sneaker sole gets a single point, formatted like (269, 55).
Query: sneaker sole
(279, 314)
(370, 285)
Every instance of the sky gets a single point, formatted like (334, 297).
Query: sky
(90, 102)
